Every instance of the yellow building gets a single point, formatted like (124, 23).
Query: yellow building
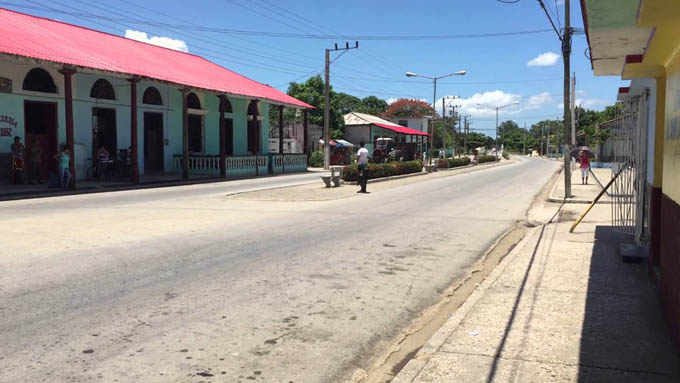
(639, 40)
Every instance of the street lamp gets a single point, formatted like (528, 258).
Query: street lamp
(498, 108)
(434, 97)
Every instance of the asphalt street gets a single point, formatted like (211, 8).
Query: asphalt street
(183, 284)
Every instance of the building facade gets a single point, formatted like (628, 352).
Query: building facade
(151, 122)
(639, 40)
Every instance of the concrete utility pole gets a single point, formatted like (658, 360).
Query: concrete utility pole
(465, 128)
(453, 129)
(566, 53)
(573, 110)
(326, 104)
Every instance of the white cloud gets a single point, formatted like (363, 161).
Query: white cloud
(539, 100)
(544, 59)
(587, 103)
(484, 104)
(161, 41)
(391, 100)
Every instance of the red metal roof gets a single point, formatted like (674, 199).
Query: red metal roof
(401, 129)
(45, 39)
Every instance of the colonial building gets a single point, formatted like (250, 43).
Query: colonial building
(62, 85)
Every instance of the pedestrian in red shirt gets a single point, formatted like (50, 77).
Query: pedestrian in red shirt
(585, 166)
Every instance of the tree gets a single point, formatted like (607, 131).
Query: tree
(372, 105)
(312, 92)
(346, 102)
(409, 108)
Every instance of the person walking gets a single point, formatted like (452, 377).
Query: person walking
(585, 166)
(362, 161)
(64, 159)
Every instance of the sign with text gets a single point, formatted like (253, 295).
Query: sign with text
(7, 126)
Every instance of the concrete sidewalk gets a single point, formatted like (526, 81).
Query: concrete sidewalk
(584, 194)
(560, 307)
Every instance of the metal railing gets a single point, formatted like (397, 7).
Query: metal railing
(629, 139)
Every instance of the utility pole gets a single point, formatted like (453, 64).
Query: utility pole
(453, 129)
(566, 54)
(573, 110)
(326, 105)
(443, 125)
(465, 127)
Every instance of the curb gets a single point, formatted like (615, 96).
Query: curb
(415, 365)
(382, 179)
(127, 186)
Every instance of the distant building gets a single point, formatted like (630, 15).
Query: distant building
(415, 123)
(368, 128)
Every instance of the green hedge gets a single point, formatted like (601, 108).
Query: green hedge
(453, 162)
(351, 172)
(506, 156)
(316, 160)
(486, 158)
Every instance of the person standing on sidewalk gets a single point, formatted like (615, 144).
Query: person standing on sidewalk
(64, 159)
(362, 161)
(585, 166)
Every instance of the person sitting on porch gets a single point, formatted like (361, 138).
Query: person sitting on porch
(103, 162)
(17, 160)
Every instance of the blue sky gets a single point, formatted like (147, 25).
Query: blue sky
(497, 67)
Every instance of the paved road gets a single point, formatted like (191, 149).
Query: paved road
(177, 284)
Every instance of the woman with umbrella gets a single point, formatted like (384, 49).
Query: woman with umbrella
(584, 160)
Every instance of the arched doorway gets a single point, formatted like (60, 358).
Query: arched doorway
(196, 131)
(40, 123)
(253, 128)
(104, 131)
(153, 133)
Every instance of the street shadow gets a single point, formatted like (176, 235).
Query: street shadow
(624, 337)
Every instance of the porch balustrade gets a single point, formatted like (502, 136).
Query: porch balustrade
(289, 163)
(198, 164)
(242, 166)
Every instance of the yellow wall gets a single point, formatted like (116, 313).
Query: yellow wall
(671, 149)
(659, 130)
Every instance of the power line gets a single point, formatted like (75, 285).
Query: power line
(200, 49)
(296, 35)
(559, 35)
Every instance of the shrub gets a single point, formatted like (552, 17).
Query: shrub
(506, 156)
(316, 159)
(351, 172)
(486, 158)
(454, 162)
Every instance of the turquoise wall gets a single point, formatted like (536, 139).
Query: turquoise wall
(171, 110)
(240, 107)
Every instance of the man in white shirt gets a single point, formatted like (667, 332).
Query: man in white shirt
(362, 161)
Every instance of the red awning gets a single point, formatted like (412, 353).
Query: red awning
(45, 39)
(401, 129)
